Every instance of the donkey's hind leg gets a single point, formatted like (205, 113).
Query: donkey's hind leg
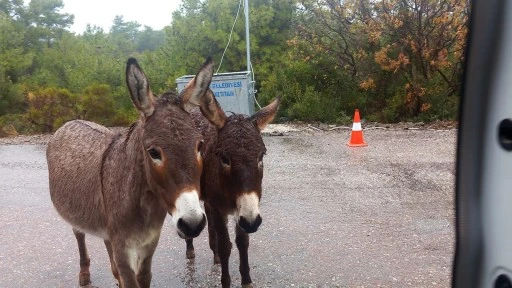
(84, 277)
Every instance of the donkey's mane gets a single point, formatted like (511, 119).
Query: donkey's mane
(169, 97)
(130, 131)
(237, 117)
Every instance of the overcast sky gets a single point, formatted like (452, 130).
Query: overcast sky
(153, 13)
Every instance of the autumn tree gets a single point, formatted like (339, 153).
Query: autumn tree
(421, 42)
(406, 55)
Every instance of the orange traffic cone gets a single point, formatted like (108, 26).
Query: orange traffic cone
(356, 138)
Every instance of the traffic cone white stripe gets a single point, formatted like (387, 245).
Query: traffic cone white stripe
(356, 126)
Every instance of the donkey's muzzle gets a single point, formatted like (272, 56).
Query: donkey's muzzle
(188, 216)
(190, 229)
(249, 227)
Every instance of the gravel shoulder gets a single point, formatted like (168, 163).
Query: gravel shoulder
(288, 129)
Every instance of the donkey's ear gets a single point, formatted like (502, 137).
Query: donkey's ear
(212, 110)
(198, 93)
(266, 114)
(138, 85)
(197, 87)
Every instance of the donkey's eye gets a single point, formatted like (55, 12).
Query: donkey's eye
(154, 154)
(200, 146)
(225, 160)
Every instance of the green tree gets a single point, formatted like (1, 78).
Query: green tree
(12, 9)
(44, 21)
(76, 62)
(14, 61)
(123, 34)
(200, 29)
(149, 39)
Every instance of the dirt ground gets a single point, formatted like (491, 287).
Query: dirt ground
(333, 216)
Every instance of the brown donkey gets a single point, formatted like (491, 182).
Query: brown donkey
(231, 183)
(121, 187)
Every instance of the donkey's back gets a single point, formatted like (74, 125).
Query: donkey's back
(74, 162)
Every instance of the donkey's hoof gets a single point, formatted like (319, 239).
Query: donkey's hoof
(84, 278)
(216, 259)
(191, 254)
(248, 285)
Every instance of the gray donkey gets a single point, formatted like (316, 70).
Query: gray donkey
(121, 187)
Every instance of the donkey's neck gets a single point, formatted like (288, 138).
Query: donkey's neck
(123, 167)
(133, 154)
(125, 184)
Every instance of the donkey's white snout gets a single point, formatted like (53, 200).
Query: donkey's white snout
(189, 217)
(247, 214)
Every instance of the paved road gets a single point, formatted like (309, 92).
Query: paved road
(333, 216)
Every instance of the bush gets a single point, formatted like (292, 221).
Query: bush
(14, 124)
(124, 117)
(97, 104)
(50, 108)
(323, 100)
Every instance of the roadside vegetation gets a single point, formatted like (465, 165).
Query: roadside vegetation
(395, 60)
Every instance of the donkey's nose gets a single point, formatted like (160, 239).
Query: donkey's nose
(191, 228)
(249, 227)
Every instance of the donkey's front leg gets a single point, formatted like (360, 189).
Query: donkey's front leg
(123, 258)
(223, 245)
(146, 257)
(242, 243)
(212, 234)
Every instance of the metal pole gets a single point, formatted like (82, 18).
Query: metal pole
(247, 40)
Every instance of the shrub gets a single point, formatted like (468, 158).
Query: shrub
(50, 108)
(97, 104)
(14, 124)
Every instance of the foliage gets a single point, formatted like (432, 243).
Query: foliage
(97, 104)
(200, 29)
(411, 52)
(394, 60)
(14, 124)
(44, 22)
(50, 108)
(14, 61)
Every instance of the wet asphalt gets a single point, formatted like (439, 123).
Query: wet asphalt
(333, 216)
